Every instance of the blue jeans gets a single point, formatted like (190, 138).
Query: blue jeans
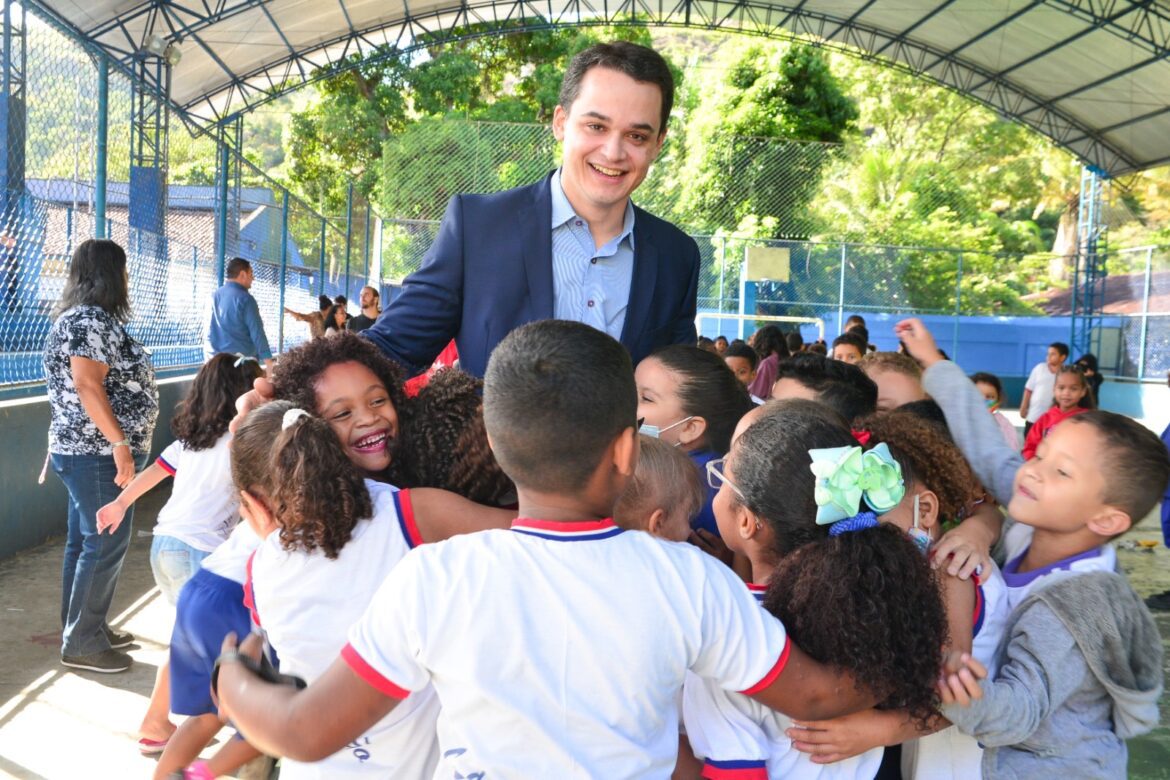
(92, 561)
(173, 562)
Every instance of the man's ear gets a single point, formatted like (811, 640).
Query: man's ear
(625, 452)
(256, 513)
(1110, 522)
(692, 430)
(560, 116)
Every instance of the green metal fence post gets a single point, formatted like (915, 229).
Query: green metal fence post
(102, 151)
(366, 250)
(222, 187)
(958, 308)
(1141, 372)
(321, 275)
(348, 233)
(841, 291)
(283, 267)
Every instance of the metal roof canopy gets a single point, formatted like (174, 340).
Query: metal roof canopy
(1092, 75)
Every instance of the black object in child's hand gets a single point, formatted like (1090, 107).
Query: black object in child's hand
(264, 669)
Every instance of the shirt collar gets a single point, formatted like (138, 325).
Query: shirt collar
(583, 530)
(562, 210)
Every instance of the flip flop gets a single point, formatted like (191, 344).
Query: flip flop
(151, 747)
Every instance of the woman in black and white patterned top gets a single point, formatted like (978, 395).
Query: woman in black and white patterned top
(104, 404)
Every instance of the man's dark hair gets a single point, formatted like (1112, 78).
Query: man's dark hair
(637, 62)
(1133, 460)
(97, 277)
(235, 267)
(795, 342)
(854, 320)
(1060, 347)
(325, 302)
(840, 385)
(741, 350)
(340, 300)
(555, 396)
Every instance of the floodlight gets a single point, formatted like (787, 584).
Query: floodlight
(172, 55)
(156, 45)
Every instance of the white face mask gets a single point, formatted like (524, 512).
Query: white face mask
(656, 432)
(917, 534)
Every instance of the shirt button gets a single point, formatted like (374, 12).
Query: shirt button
(590, 304)
(578, 223)
(593, 261)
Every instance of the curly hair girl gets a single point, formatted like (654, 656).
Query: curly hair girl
(302, 477)
(865, 601)
(203, 416)
(445, 421)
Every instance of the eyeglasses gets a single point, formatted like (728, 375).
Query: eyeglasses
(716, 477)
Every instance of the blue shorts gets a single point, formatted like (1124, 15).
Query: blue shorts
(209, 607)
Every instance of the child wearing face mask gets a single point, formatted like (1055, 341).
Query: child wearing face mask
(858, 590)
(690, 398)
(939, 487)
(991, 389)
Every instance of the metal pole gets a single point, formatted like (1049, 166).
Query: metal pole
(722, 267)
(321, 275)
(841, 292)
(348, 233)
(958, 309)
(366, 250)
(102, 151)
(221, 244)
(283, 267)
(1141, 373)
(743, 290)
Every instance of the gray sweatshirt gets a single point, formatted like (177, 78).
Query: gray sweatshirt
(1080, 663)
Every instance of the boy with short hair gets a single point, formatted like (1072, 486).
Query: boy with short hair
(837, 384)
(557, 648)
(742, 360)
(1080, 668)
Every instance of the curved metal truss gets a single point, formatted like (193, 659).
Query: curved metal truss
(1137, 36)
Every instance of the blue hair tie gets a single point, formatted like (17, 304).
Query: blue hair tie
(858, 522)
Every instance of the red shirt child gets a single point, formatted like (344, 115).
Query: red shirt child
(1071, 396)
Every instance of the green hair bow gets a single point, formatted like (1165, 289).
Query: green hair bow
(846, 476)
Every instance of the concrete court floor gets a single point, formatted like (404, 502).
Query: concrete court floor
(60, 724)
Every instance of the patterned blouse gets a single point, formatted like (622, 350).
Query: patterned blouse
(91, 332)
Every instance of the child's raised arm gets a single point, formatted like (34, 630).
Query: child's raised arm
(110, 516)
(306, 725)
(830, 741)
(808, 690)
(974, 430)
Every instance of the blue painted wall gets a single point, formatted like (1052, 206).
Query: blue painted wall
(32, 513)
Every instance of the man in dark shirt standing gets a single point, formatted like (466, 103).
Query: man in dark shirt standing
(371, 308)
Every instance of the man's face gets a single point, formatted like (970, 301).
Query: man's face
(245, 279)
(611, 133)
(368, 298)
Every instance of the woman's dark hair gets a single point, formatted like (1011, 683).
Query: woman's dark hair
(770, 340)
(330, 318)
(770, 461)
(927, 456)
(1088, 362)
(312, 489)
(866, 602)
(989, 379)
(637, 62)
(97, 277)
(203, 416)
(1087, 400)
(324, 302)
(442, 428)
(708, 389)
(795, 342)
(296, 373)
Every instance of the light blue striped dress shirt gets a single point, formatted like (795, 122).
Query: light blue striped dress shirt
(590, 284)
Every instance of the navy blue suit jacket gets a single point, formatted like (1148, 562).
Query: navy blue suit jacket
(490, 270)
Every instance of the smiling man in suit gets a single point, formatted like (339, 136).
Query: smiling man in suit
(572, 246)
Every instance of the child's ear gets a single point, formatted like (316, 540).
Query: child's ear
(748, 523)
(692, 430)
(927, 509)
(656, 522)
(1110, 522)
(625, 452)
(256, 513)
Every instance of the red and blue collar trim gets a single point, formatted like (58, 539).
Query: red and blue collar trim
(757, 591)
(579, 531)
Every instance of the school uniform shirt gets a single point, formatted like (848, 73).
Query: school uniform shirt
(1020, 584)
(558, 648)
(204, 504)
(230, 559)
(740, 739)
(306, 604)
(1044, 426)
(950, 754)
(1042, 383)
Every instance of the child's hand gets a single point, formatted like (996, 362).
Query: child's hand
(918, 342)
(962, 556)
(712, 545)
(110, 517)
(829, 741)
(963, 687)
(261, 393)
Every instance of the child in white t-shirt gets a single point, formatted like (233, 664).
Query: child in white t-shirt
(201, 511)
(858, 593)
(556, 648)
